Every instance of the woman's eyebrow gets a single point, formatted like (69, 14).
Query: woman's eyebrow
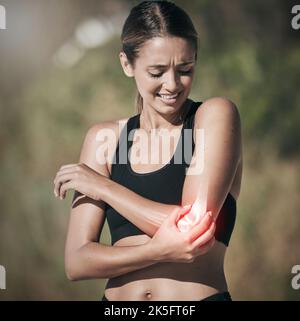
(181, 64)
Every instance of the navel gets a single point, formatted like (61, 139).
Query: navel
(148, 295)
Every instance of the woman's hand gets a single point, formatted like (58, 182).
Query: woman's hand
(175, 246)
(79, 177)
(186, 221)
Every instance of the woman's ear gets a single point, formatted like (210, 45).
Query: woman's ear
(127, 68)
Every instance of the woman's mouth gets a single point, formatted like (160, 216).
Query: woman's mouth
(168, 99)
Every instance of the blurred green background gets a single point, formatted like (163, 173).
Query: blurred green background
(60, 74)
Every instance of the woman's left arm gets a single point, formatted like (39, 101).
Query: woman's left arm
(217, 154)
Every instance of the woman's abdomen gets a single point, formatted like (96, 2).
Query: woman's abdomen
(170, 281)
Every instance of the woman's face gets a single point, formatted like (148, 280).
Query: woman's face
(164, 72)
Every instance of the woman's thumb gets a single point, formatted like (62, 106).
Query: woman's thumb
(184, 210)
(172, 218)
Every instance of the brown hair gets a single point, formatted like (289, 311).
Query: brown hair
(151, 19)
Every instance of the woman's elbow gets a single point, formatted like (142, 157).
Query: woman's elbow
(71, 269)
(73, 266)
(79, 267)
(72, 275)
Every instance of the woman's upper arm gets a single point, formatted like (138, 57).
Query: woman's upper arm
(217, 154)
(87, 215)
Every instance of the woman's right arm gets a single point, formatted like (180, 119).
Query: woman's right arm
(86, 258)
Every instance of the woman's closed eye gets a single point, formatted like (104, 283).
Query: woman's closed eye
(182, 72)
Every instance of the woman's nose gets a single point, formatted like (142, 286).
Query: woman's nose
(171, 82)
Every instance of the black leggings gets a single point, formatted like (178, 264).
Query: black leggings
(224, 296)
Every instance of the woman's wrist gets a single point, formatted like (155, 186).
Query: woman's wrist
(153, 252)
(104, 188)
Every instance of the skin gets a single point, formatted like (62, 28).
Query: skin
(150, 266)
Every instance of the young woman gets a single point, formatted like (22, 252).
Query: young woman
(150, 257)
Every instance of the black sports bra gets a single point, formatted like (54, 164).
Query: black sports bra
(169, 179)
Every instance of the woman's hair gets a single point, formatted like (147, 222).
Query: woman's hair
(151, 19)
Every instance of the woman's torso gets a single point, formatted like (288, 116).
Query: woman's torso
(171, 281)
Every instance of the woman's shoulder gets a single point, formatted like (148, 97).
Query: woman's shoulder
(221, 108)
(106, 128)
(218, 104)
(105, 133)
(101, 141)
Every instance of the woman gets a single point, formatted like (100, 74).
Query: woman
(143, 201)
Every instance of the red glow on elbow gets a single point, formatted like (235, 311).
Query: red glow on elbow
(192, 217)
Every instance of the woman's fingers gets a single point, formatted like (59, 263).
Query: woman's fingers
(68, 165)
(65, 186)
(66, 169)
(206, 236)
(207, 246)
(69, 169)
(60, 180)
(201, 227)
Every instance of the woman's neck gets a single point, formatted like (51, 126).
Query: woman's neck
(151, 119)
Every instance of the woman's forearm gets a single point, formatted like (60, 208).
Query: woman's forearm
(146, 214)
(95, 260)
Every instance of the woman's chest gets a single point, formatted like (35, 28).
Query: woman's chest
(150, 152)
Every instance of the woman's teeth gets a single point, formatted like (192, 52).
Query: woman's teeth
(168, 96)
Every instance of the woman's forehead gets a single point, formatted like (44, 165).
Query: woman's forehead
(160, 50)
